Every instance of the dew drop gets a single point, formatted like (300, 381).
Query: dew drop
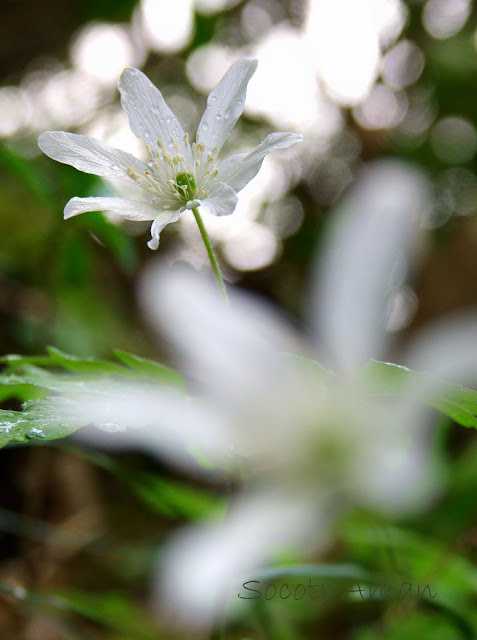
(239, 102)
(218, 116)
(115, 167)
(168, 119)
(214, 98)
(228, 113)
(35, 433)
(205, 126)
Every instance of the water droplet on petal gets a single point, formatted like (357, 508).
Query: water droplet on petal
(218, 116)
(115, 167)
(228, 113)
(205, 126)
(214, 98)
(168, 119)
(239, 102)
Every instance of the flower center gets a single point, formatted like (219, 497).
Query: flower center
(185, 185)
(176, 180)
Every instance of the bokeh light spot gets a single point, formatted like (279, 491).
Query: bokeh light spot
(454, 140)
(102, 51)
(444, 18)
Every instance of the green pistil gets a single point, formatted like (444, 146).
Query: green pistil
(186, 185)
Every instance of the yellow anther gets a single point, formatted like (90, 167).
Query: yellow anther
(132, 174)
(160, 144)
(186, 138)
(215, 172)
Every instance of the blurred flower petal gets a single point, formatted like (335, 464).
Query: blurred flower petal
(447, 348)
(206, 565)
(373, 228)
(230, 348)
(162, 422)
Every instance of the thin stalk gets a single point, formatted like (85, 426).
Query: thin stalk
(210, 252)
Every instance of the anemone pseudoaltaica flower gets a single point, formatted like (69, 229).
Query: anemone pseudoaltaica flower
(180, 173)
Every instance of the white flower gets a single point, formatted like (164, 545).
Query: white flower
(179, 174)
(311, 442)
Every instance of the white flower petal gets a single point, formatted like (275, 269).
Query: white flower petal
(154, 418)
(128, 209)
(149, 116)
(238, 169)
(165, 217)
(221, 201)
(234, 350)
(89, 155)
(447, 349)
(206, 566)
(372, 232)
(225, 104)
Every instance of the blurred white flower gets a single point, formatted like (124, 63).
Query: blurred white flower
(179, 175)
(309, 441)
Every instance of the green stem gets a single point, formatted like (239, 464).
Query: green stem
(210, 252)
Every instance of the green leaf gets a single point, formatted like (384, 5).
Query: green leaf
(57, 358)
(46, 419)
(453, 400)
(112, 610)
(130, 366)
(150, 369)
(31, 379)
